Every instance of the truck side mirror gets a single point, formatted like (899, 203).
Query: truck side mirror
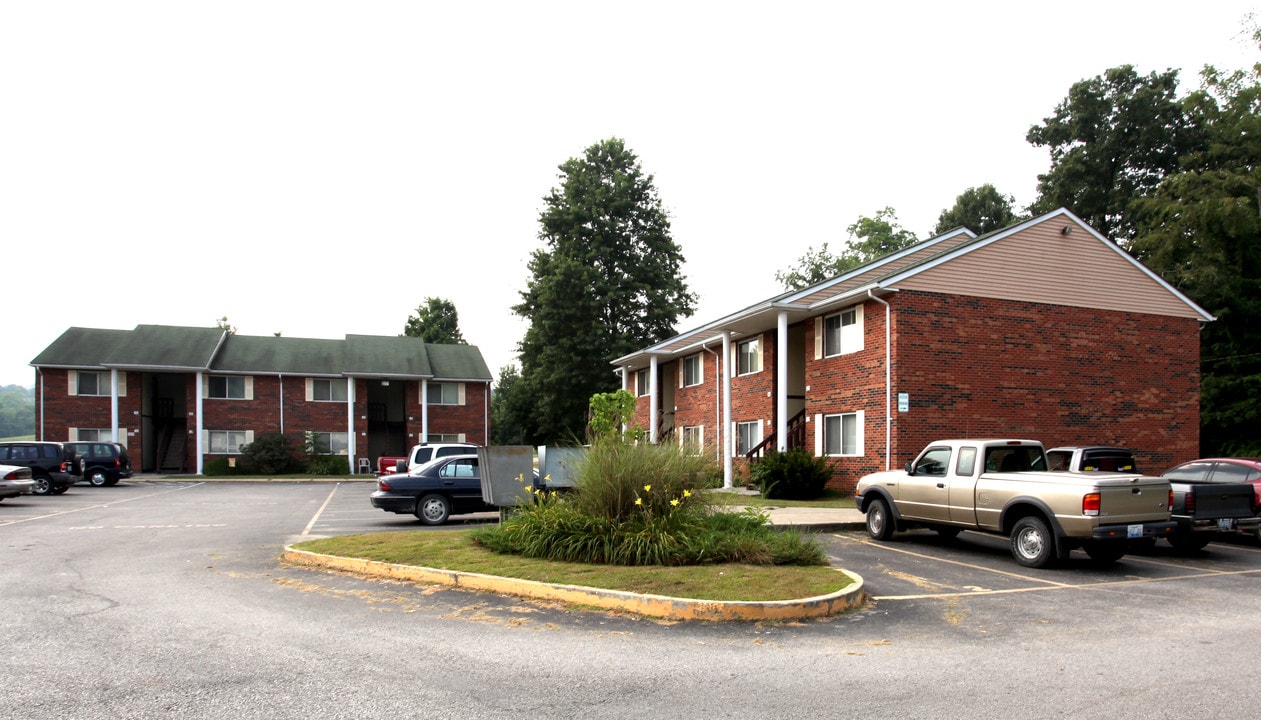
(910, 467)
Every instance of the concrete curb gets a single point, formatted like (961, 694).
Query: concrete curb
(658, 606)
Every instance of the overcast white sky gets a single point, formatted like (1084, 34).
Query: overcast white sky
(320, 168)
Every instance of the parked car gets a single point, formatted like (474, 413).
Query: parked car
(420, 454)
(433, 493)
(1223, 470)
(49, 463)
(15, 480)
(99, 463)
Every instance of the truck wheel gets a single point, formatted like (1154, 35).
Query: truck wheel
(1106, 552)
(433, 509)
(97, 477)
(1032, 543)
(1190, 542)
(43, 485)
(879, 521)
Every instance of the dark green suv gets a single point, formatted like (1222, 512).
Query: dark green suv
(99, 463)
(49, 463)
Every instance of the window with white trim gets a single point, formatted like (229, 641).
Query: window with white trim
(843, 434)
(692, 438)
(329, 443)
(328, 389)
(693, 370)
(749, 356)
(748, 436)
(226, 442)
(443, 393)
(91, 383)
(226, 387)
(843, 332)
(91, 434)
(641, 383)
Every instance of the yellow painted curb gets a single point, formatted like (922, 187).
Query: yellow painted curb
(658, 606)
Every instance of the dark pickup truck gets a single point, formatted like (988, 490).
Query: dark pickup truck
(1201, 510)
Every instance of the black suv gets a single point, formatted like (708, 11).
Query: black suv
(49, 463)
(99, 463)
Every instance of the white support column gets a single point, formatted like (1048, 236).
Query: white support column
(653, 404)
(352, 438)
(197, 426)
(727, 445)
(781, 381)
(424, 411)
(113, 404)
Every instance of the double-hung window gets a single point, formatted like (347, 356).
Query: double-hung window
(843, 332)
(227, 387)
(693, 370)
(843, 434)
(641, 383)
(443, 393)
(748, 436)
(329, 443)
(226, 442)
(92, 383)
(749, 356)
(328, 390)
(692, 439)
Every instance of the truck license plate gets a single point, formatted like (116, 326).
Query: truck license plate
(1225, 523)
(1134, 531)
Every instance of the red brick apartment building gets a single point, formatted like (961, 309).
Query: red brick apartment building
(1045, 330)
(179, 396)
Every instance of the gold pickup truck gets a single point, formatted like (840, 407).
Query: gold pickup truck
(1003, 487)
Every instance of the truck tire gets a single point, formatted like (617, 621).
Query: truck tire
(1190, 542)
(1106, 552)
(879, 520)
(1032, 543)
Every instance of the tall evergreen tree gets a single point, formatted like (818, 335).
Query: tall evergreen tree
(1112, 140)
(607, 283)
(436, 321)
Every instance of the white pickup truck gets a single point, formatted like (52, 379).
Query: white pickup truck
(1003, 487)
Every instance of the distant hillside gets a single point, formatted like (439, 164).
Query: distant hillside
(17, 411)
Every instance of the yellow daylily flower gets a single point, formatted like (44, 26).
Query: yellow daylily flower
(674, 502)
(639, 501)
(647, 488)
(687, 493)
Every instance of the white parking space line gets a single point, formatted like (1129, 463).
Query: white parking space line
(164, 491)
(307, 530)
(1045, 584)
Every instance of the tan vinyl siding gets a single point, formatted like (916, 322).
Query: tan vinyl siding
(1042, 265)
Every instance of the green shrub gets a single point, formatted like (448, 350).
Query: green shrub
(218, 467)
(271, 454)
(328, 465)
(643, 505)
(792, 475)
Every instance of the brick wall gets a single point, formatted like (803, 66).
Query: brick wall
(471, 418)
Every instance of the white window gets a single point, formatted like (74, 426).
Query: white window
(91, 434)
(329, 443)
(227, 387)
(328, 390)
(748, 436)
(692, 438)
(443, 393)
(92, 383)
(749, 356)
(641, 383)
(226, 442)
(693, 370)
(843, 332)
(843, 434)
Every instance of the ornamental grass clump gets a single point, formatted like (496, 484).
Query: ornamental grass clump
(643, 505)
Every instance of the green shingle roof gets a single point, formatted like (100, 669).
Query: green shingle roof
(169, 348)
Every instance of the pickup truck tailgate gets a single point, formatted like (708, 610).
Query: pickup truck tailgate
(1214, 500)
(1132, 499)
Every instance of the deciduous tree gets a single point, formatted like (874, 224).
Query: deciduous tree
(980, 209)
(435, 321)
(870, 238)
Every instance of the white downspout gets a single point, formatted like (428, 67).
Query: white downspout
(781, 379)
(424, 411)
(113, 404)
(39, 374)
(888, 389)
(281, 378)
(200, 383)
(653, 404)
(352, 441)
(726, 411)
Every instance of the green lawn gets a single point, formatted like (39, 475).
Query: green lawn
(454, 550)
